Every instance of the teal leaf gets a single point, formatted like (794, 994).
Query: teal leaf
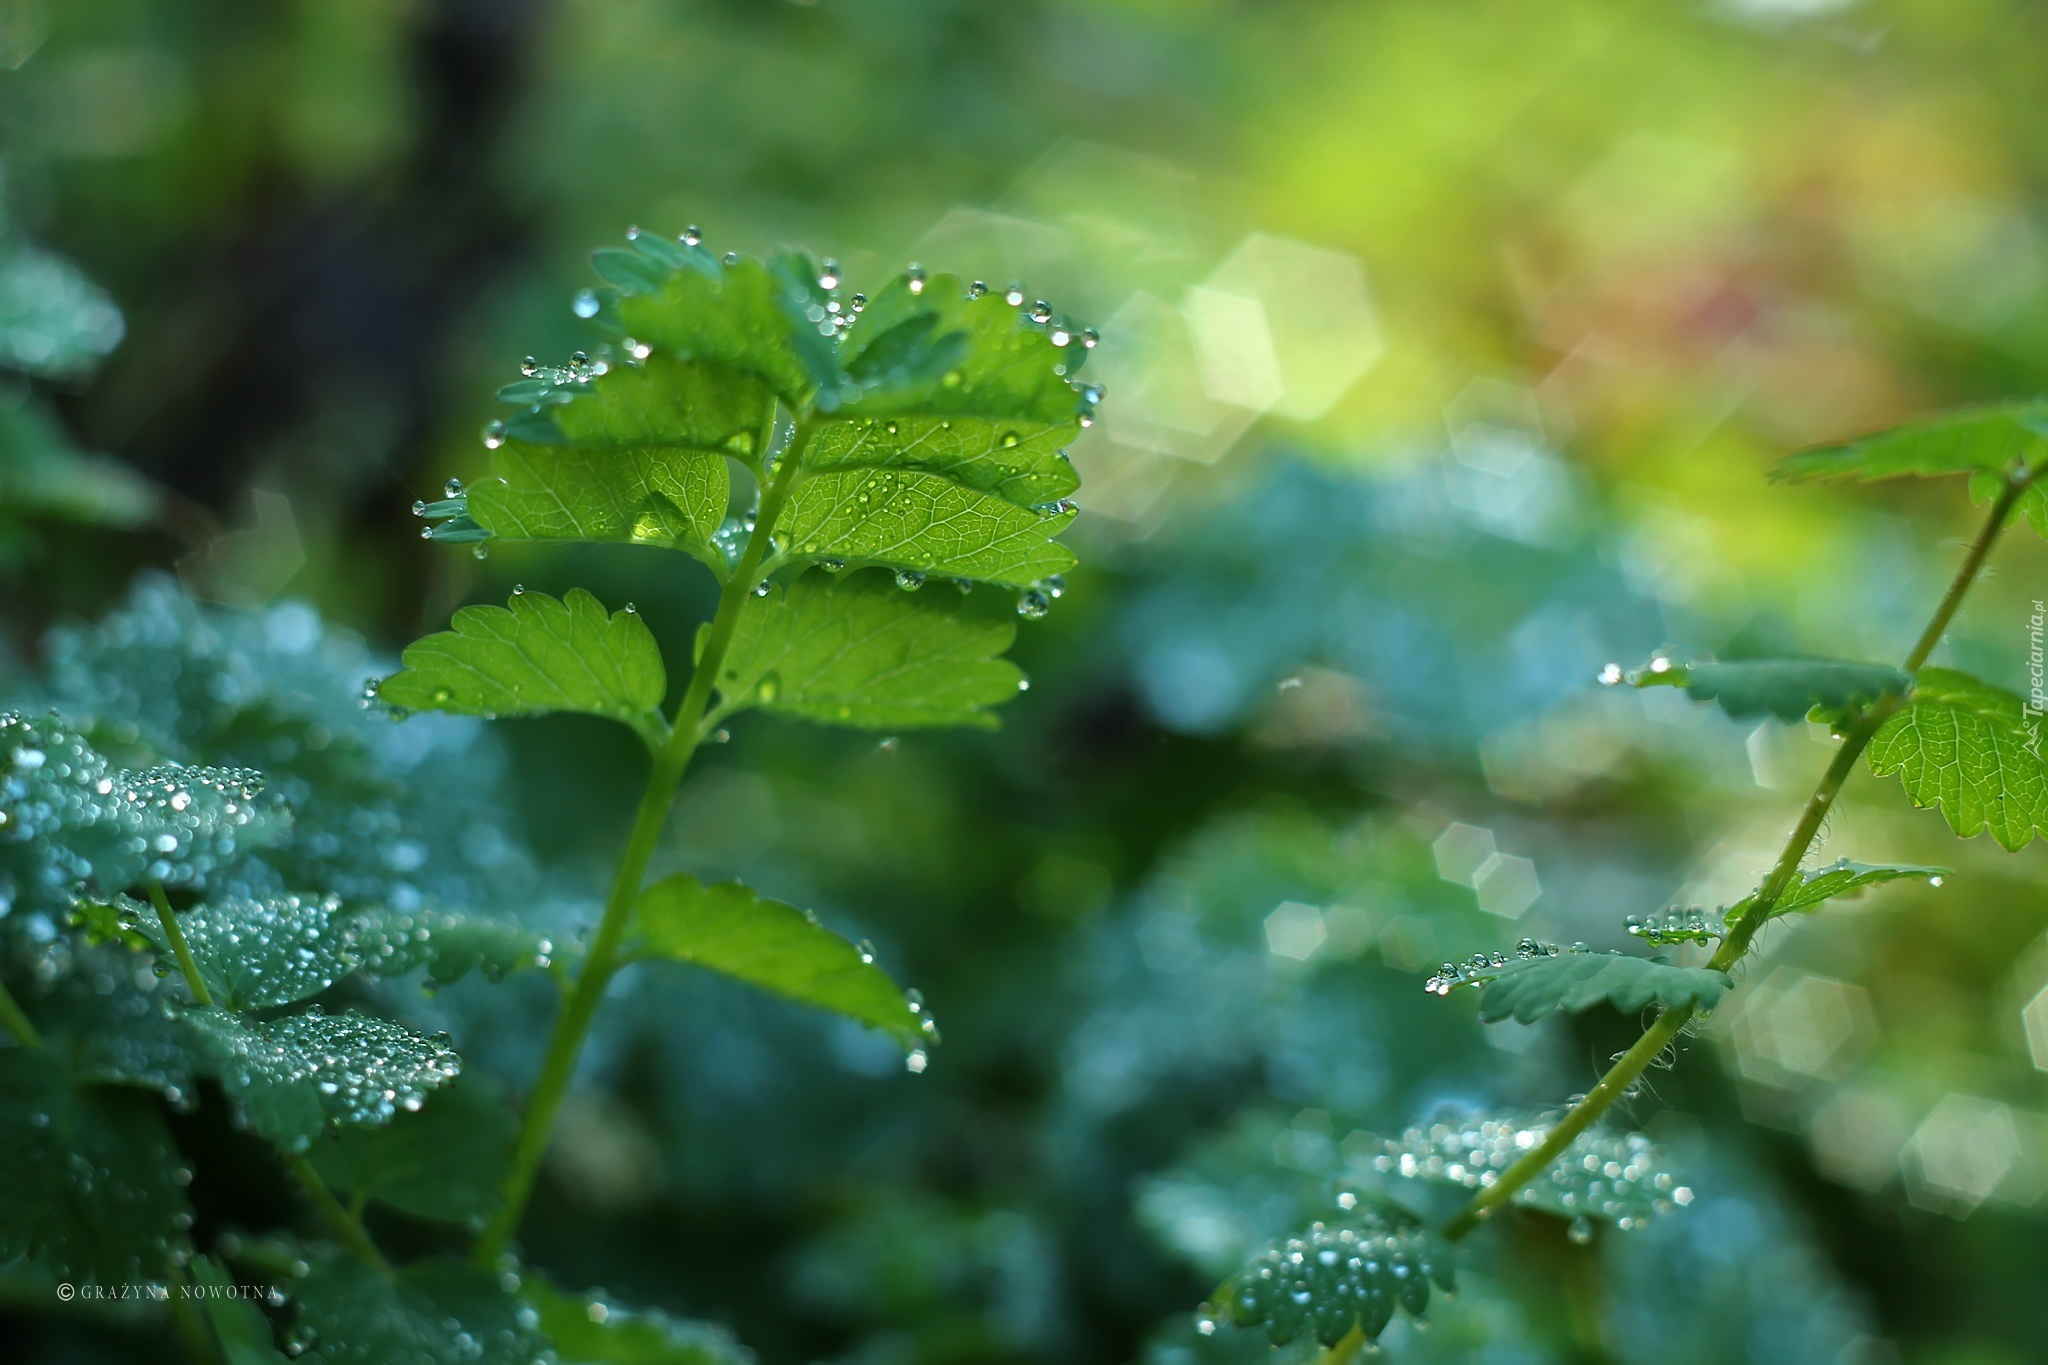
(1616, 1176)
(447, 1161)
(238, 1324)
(599, 1331)
(1016, 461)
(730, 929)
(1542, 979)
(905, 519)
(1970, 750)
(90, 1190)
(537, 656)
(1785, 688)
(858, 650)
(1679, 924)
(1337, 1278)
(1846, 878)
(448, 943)
(252, 953)
(288, 1078)
(432, 1312)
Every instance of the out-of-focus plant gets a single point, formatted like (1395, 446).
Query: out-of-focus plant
(1966, 747)
(849, 470)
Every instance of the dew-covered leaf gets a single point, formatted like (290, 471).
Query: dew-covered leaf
(1679, 924)
(253, 953)
(447, 1161)
(1969, 749)
(539, 655)
(1008, 366)
(88, 1175)
(290, 1077)
(1542, 979)
(1997, 437)
(1334, 1279)
(1846, 878)
(617, 1335)
(112, 829)
(906, 519)
(238, 1325)
(1785, 688)
(730, 929)
(448, 943)
(673, 498)
(1618, 1177)
(748, 317)
(431, 1313)
(1017, 461)
(859, 650)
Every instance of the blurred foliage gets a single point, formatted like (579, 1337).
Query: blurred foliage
(1446, 348)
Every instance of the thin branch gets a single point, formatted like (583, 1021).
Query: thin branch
(17, 1022)
(346, 1228)
(193, 983)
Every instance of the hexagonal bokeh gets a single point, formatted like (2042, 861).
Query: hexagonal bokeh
(2034, 1015)
(1796, 1028)
(1960, 1154)
(1857, 1137)
(1293, 328)
(1295, 930)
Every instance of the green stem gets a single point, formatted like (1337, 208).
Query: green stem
(1622, 1076)
(1345, 1351)
(194, 1326)
(17, 1023)
(200, 995)
(572, 1025)
(346, 1228)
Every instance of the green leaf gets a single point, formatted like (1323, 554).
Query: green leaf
(1542, 979)
(1017, 461)
(1971, 750)
(1785, 688)
(858, 650)
(1335, 1278)
(1846, 878)
(254, 954)
(538, 655)
(730, 929)
(1679, 924)
(448, 943)
(432, 1312)
(1996, 438)
(672, 498)
(906, 519)
(1619, 1177)
(448, 1161)
(90, 1189)
(238, 1324)
(1008, 367)
(290, 1077)
(747, 317)
(615, 1335)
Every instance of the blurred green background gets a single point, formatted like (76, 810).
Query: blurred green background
(1448, 344)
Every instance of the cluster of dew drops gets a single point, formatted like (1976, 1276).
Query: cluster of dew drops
(1481, 967)
(917, 1058)
(1336, 1278)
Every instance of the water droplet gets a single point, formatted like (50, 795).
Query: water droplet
(1014, 295)
(1009, 439)
(910, 580)
(1055, 585)
(832, 565)
(1581, 1230)
(915, 274)
(585, 305)
(1041, 311)
(1059, 336)
(452, 489)
(1090, 338)
(977, 289)
(828, 277)
(494, 434)
(529, 366)
(692, 236)
(1610, 675)
(761, 588)
(860, 302)
(916, 1061)
(481, 552)
(731, 258)
(419, 507)
(866, 949)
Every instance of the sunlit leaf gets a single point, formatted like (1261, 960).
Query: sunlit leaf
(1846, 878)
(599, 1331)
(859, 650)
(290, 1077)
(1541, 979)
(538, 655)
(748, 317)
(904, 519)
(1970, 750)
(674, 498)
(1785, 688)
(1997, 437)
(730, 929)
(1017, 461)
(1008, 366)
(446, 1161)
(1332, 1279)
(88, 1175)
(432, 1312)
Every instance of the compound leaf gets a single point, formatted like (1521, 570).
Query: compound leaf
(1785, 688)
(731, 929)
(431, 1312)
(448, 943)
(1846, 878)
(906, 519)
(614, 1335)
(290, 1077)
(538, 655)
(447, 1161)
(1542, 980)
(858, 650)
(1336, 1279)
(1969, 749)
(90, 1190)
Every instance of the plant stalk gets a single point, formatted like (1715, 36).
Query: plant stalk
(200, 995)
(346, 1228)
(572, 1025)
(1665, 1028)
(17, 1022)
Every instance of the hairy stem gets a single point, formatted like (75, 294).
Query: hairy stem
(346, 1228)
(200, 995)
(572, 1025)
(1622, 1076)
(17, 1023)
